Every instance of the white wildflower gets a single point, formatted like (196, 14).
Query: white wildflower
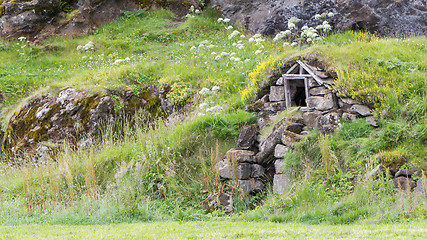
(305, 27)
(213, 53)
(291, 25)
(205, 42)
(294, 44)
(21, 39)
(286, 44)
(233, 34)
(192, 8)
(242, 36)
(317, 16)
(247, 60)
(226, 20)
(203, 105)
(258, 52)
(118, 61)
(251, 39)
(197, 11)
(229, 27)
(309, 40)
(205, 92)
(216, 89)
(331, 14)
(224, 54)
(193, 48)
(218, 57)
(240, 46)
(79, 48)
(220, 20)
(210, 46)
(127, 59)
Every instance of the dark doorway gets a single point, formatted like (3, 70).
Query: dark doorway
(299, 98)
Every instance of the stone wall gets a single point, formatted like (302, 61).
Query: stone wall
(257, 161)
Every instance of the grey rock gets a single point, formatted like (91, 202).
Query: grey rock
(372, 121)
(257, 171)
(251, 185)
(294, 127)
(361, 110)
(403, 183)
(280, 150)
(319, 91)
(238, 155)
(274, 106)
(247, 136)
(268, 143)
(403, 173)
(329, 122)
(349, 101)
(279, 166)
(388, 17)
(421, 186)
(277, 93)
(349, 116)
(311, 119)
(281, 183)
(222, 201)
(324, 103)
(289, 138)
(225, 170)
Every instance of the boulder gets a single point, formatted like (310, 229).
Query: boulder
(226, 171)
(280, 150)
(281, 183)
(404, 183)
(219, 201)
(362, 110)
(268, 143)
(323, 103)
(349, 101)
(247, 136)
(294, 127)
(277, 93)
(349, 116)
(279, 166)
(319, 91)
(274, 106)
(289, 138)
(238, 155)
(421, 186)
(328, 122)
(258, 171)
(381, 17)
(72, 116)
(311, 119)
(372, 121)
(251, 186)
(403, 173)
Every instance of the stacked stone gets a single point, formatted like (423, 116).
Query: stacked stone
(241, 164)
(258, 160)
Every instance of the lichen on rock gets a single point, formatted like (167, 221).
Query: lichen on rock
(73, 116)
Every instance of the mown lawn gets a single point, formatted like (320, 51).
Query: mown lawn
(217, 230)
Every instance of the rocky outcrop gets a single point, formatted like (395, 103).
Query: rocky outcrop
(383, 17)
(39, 19)
(74, 116)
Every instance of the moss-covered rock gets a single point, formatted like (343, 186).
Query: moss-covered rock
(74, 116)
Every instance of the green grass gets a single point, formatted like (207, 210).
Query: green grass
(172, 166)
(216, 230)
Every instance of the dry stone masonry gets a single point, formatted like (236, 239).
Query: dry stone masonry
(308, 96)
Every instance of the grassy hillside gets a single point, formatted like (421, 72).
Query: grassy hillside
(166, 171)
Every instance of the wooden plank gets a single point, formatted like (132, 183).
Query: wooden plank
(296, 76)
(292, 68)
(307, 88)
(308, 69)
(287, 93)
